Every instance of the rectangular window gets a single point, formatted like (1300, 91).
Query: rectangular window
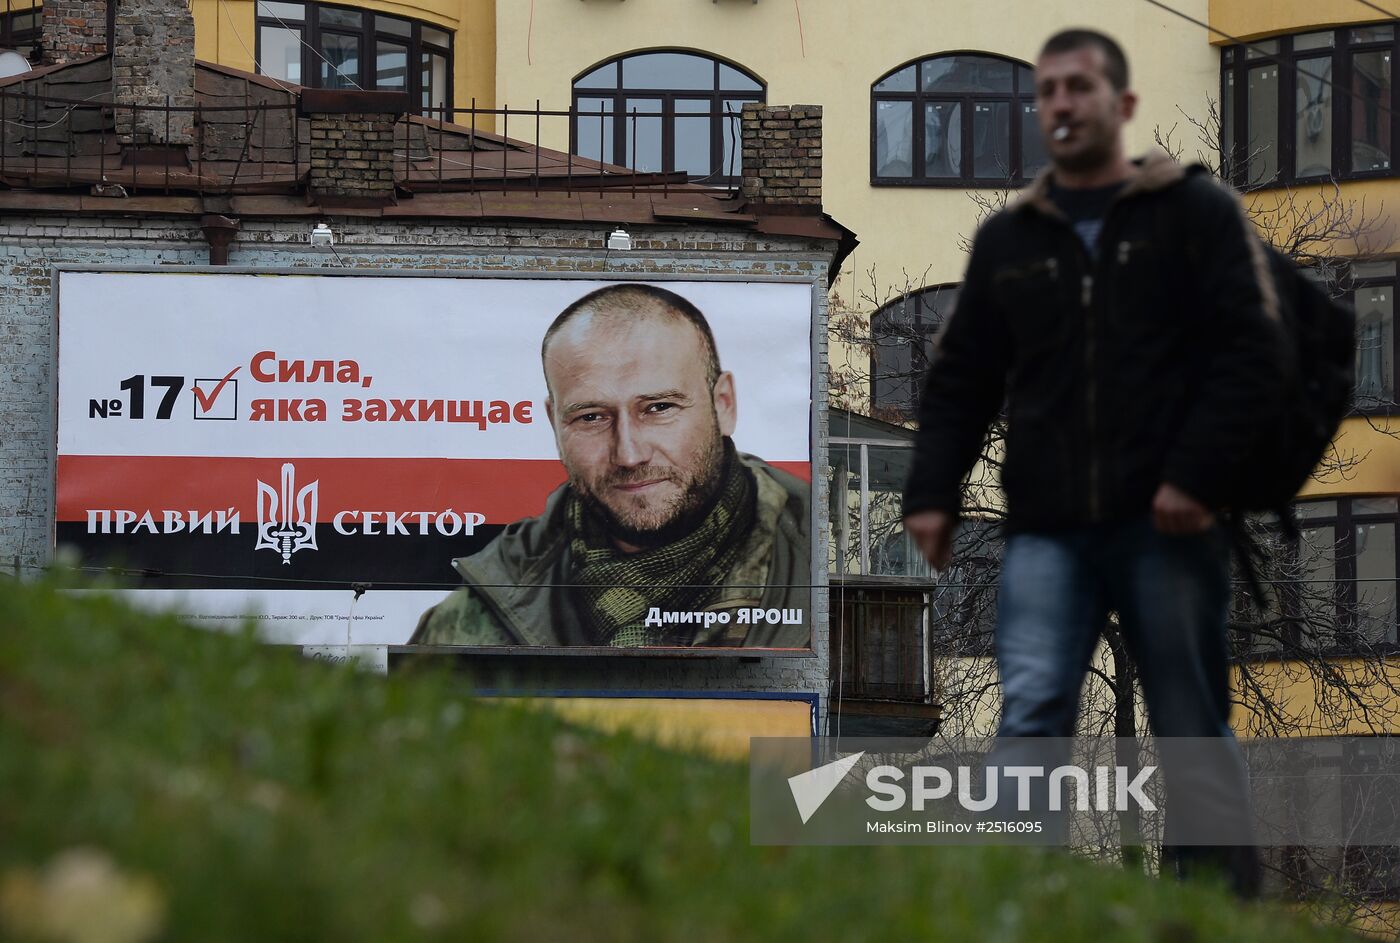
(1312, 510)
(845, 509)
(1370, 111)
(1317, 552)
(691, 135)
(894, 139)
(281, 53)
(1323, 40)
(733, 162)
(434, 78)
(345, 19)
(594, 129)
(22, 23)
(1375, 582)
(1313, 118)
(943, 140)
(340, 61)
(1375, 343)
(895, 382)
(393, 26)
(1033, 156)
(291, 12)
(391, 66)
(1227, 125)
(892, 552)
(991, 140)
(1262, 133)
(642, 134)
(1373, 34)
(879, 644)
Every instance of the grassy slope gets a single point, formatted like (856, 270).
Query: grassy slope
(271, 798)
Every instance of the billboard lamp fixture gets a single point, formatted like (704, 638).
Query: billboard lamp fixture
(619, 240)
(322, 237)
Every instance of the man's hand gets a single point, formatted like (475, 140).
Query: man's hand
(1176, 513)
(933, 535)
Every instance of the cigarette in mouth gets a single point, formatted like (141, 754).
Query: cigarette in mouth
(1061, 132)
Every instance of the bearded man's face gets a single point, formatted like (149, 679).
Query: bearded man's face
(639, 424)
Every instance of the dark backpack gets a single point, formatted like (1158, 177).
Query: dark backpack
(1318, 373)
(1317, 368)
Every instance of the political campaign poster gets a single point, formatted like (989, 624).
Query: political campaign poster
(444, 461)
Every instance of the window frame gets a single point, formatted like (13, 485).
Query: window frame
(619, 93)
(1355, 283)
(1348, 641)
(884, 621)
(1235, 61)
(1016, 99)
(368, 37)
(22, 41)
(422, 47)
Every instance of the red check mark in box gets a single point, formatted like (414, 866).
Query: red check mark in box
(215, 398)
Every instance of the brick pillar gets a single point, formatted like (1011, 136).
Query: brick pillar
(73, 29)
(782, 151)
(152, 62)
(352, 144)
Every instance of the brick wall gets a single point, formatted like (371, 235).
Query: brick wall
(152, 64)
(352, 155)
(782, 151)
(73, 29)
(31, 247)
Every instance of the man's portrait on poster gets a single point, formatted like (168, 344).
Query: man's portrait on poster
(665, 533)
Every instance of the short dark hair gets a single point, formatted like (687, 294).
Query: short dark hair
(636, 298)
(1115, 62)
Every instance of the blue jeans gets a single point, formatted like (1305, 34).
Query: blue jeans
(1172, 596)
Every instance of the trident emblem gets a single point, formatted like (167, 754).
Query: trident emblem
(282, 532)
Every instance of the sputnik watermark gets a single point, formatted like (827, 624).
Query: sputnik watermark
(1101, 788)
(1111, 784)
(1041, 791)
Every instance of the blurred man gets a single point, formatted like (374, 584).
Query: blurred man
(660, 515)
(1122, 312)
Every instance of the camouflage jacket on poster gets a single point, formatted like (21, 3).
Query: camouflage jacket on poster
(516, 595)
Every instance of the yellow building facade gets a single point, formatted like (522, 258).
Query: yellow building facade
(833, 54)
(1308, 105)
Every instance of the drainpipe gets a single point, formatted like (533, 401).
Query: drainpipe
(218, 232)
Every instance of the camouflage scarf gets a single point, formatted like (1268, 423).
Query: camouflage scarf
(615, 590)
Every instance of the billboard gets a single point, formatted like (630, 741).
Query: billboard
(445, 461)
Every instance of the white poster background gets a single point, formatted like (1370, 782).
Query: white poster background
(452, 338)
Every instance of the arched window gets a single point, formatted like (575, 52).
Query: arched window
(964, 119)
(901, 335)
(679, 113)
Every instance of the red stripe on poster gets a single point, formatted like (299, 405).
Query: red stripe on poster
(504, 490)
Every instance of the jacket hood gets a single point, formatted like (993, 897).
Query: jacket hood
(1155, 170)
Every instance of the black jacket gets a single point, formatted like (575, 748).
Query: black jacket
(1154, 361)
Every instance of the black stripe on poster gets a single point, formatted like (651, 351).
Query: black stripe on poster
(232, 561)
